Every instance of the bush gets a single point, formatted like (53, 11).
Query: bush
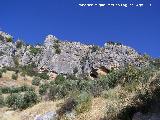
(19, 44)
(94, 48)
(9, 39)
(36, 81)
(71, 77)
(113, 43)
(35, 51)
(60, 79)
(3, 70)
(43, 89)
(95, 89)
(5, 90)
(58, 51)
(30, 98)
(56, 47)
(16, 61)
(11, 100)
(155, 63)
(43, 76)
(53, 90)
(84, 102)
(2, 102)
(58, 91)
(21, 101)
(23, 88)
(29, 70)
(14, 76)
(0, 74)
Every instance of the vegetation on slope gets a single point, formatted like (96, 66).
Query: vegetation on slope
(125, 91)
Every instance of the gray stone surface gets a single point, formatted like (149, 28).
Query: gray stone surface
(47, 116)
(73, 55)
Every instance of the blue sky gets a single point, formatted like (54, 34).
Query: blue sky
(32, 20)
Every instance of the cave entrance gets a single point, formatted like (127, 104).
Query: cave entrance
(94, 73)
(101, 71)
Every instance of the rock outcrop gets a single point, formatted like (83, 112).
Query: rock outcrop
(67, 57)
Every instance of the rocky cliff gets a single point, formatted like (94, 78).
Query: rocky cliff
(66, 57)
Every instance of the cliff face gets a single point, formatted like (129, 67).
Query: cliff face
(66, 57)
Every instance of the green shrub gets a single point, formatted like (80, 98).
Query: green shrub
(60, 79)
(30, 98)
(35, 51)
(71, 77)
(0, 74)
(21, 101)
(43, 89)
(36, 81)
(11, 100)
(155, 63)
(94, 48)
(83, 85)
(58, 91)
(5, 90)
(2, 102)
(15, 58)
(84, 102)
(29, 70)
(57, 48)
(22, 88)
(58, 51)
(9, 39)
(95, 89)
(53, 91)
(14, 76)
(43, 76)
(3, 70)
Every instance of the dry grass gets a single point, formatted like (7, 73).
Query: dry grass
(6, 79)
(97, 110)
(117, 99)
(30, 113)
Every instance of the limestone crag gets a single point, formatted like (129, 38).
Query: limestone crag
(67, 57)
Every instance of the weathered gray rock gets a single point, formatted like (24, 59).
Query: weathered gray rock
(26, 58)
(6, 61)
(72, 55)
(47, 116)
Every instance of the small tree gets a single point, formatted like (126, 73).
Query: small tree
(43, 76)
(57, 48)
(94, 48)
(35, 51)
(36, 81)
(14, 76)
(59, 79)
(0, 74)
(9, 39)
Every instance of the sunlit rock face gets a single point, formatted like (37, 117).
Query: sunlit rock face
(67, 57)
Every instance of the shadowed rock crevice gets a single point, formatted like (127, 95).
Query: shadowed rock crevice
(101, 71)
